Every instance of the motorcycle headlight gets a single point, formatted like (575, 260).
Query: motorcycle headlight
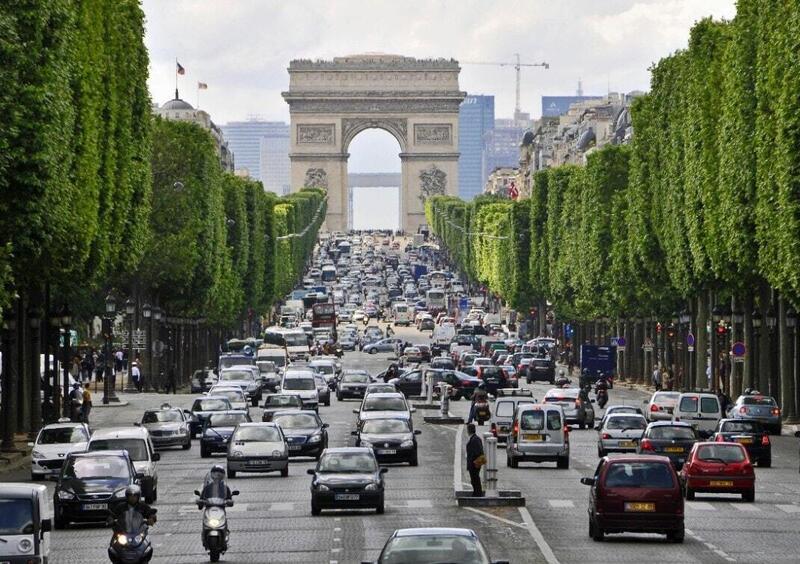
(322, 488)
(122, 540)
(24, 545)
(236, 454)
(407, 444)
(37, 454)
(66, 496)
(371, 487)
(315, 438)
(214, 517)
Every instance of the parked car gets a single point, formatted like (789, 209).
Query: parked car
(348, 478)
(539, 433)
(258, 447)
(751, 435)
(52, 445)
(640, 494)
(719, 467)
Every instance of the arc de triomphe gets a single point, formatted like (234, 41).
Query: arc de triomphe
(415, 100)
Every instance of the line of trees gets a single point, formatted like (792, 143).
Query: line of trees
(696, 222)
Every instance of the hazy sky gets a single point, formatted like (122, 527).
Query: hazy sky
(241, 48)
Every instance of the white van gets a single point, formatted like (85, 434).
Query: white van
(26, 523)
(136, 440)
(539, 433)
(700, 409)
(402, 314)
(301, 382)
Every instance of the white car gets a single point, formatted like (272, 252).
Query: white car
(359, 315)
(136, 440)
(234, 394)
(258, 447)
(620, 432)
(53, 443)
(661, 406)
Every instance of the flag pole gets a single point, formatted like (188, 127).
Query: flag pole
(198, 96)
(176, 78)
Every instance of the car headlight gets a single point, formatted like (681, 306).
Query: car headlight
(366, 444)
(371, 487)
(277, 454)
(119, 494)
(315, 438)
(24, 545)
(37, 454)
(407, 444)
(236, 453)
(322, 488)
(66, 496)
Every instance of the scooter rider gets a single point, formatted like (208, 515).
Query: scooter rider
(478, 396)
(133, 499)
(215, 486)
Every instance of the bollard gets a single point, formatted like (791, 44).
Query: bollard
(445, 399)
(429, 387)
(490, 469)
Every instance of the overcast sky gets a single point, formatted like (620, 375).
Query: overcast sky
(241, 48)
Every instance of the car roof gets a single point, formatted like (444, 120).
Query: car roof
(21, 490)
(670, 424)
(438, 531)
(97, 453)
(620, 415)
(64, 425)
(638, 458)
(212, 396)
(120, 433)
(258, 424)
(387, 395)
(295, 412)
(343, 450)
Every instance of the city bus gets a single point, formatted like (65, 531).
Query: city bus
(435, 300)
(438, 279)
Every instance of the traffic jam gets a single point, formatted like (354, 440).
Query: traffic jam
(329, 401)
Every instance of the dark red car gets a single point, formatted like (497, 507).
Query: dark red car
(640, 494)
(719, 468)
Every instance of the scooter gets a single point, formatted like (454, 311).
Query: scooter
(130, 543)
(482, 412)
(215, 533)
(602, 397)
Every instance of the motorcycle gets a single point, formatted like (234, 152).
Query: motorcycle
(482, 412)
(602, 396)
(130, 543)
(215, 533)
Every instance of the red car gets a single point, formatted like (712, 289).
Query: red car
(639, 494)
(719, 467)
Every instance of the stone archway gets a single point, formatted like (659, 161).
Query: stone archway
(417, 101)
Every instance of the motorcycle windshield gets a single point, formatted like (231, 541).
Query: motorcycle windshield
(131, 521)
(214, 492)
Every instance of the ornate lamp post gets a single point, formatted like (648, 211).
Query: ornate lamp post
(109, 381)
(130, 311)
(53, 389)
(66, 322)
(158, 314)
(147, 313)
(770, 322)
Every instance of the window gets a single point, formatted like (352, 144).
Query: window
(373, 403)
(688, 404)
(231, 375)
(137, 448)
(347, 462)
(163, 416)
(434, 548)
(99, 467)
(283, 401)
(553, 420)
(16, 517)
(741, 427)
(709, 405)
(226, 419)
(257, 435)
(639, 474)
(297, 421)
(758, 400)
(626, 423)
(299, 384)
(504, 409)
(62, 435)
(211, 405)
(532, 421)
(721, 453)
(672, 433)
(379, 426)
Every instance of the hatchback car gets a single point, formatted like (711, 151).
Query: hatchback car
(280, 402)
(763, 409)
(539, 433)
(640, 494)
(248, 378)
(323, 390)
(576, 411)
(434, 544)
(620, 432)
(347, 478)
(751, 435)
(137, 442)
(217, 430)
(306, 434)
(611, 409)
(352, 385)
(718, 467)
(661, 405)
(168, 426)
(391, 439)
(379, 406)
(234, 394)
(672, 439)
(53, 443)
(258, 447)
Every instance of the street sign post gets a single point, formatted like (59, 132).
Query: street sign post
(690, 342)
(738, 351)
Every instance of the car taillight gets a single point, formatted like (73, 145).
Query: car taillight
(647, 445)
(720, 439)
(494, 429)
(578, 403)
(743, 409)
(765, 440)
(776, 411)
(516, 429)
(653, 407)
(606, 436)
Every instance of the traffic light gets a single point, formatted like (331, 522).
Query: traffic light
(722, 330)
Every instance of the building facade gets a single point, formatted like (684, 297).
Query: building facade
(245, 140)
(274, 164)
(554, 106)
(475, 120)
(501, 144)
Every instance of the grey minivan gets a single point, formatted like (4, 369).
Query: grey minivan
(539, 433)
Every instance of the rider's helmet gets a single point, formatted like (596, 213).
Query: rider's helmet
(133, 494)
(217, 472)
(562, 373)
(481, 386)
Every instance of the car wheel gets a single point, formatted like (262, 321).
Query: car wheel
(314, 508)
(59, 522)
(379, 510)
(204, 453)
(285, 472)
(595, 531)
(749, 496)
(765, 462)
(513, 462)
(187, 445)
(414, 459)
(582, 425)
(600, 452)
(528, 380)
(254, 402)
(689, 494)
(372, 351)
(676, 536)
(562, 463)
(328, 403)
(338, 397)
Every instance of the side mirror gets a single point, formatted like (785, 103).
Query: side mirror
(137, 424)
(235, 492)
(156, 456)
(46, 526)
(197, 493)
(587, 481)
(417, 432)
(383, 470)
(311, 472)
(645, 401)
(354, 433)
(325, 425)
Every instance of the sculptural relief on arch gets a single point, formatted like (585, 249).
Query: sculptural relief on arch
(417, 101)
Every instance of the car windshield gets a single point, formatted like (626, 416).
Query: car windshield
(283, 401)
(355, 379)
(226, 419)
(298, 340)
(639, 475)
(137, 448)
(231, 375)
(299, 384)
(668, 432)
(162, 416)
(688, 404)
(324, 368)
(382, 388)
(266, 366)
(279, 361)
(380, 426)
(504, 409)
(62, 435)
(721, 453)
(297, 421)
(232, 395)
(211, 405)
(228, 361)
(347, 462)
(434, 549)
(16, 517)
(532, 420)
(741, 427)
(666, 397)
(384, 404)
(97, 467)
(257, 434)
(626, 422)
(758, 400)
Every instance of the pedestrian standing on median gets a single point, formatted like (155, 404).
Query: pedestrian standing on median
(475, 458)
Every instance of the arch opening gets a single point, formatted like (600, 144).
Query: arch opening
(374, 177)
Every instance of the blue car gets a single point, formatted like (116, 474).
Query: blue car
(217, 430)
(756, 407)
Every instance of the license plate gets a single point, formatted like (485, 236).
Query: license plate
(387, 451)
(532, 437)
(745, 441)
(94, 506)
(347, 497)
(720, 483)
(640, 507)
(673, 449)
(628, 444)
(295, 447)
(257, 462)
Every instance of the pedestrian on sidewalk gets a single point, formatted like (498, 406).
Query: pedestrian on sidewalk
(86, 407)
(136, 376)
(657, 378)
(171, 380)
(475, 459)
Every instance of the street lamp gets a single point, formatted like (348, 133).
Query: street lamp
(716, 313)
(130, 311)
(109, 382)
(155, 370)
(147, 314)
(737, 316)
(756, 319)
(771, 320)
(791, 318)
(685, 318)
(66, 322)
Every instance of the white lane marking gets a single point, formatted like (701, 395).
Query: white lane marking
(534, 531)
(337, 539)
(788, 508)
(700, 506)
(457, 460)
(282, 506)
(560, 503)
(419, 503)
(497, 518)
(746, 507)
(335, 550)
(239, 507)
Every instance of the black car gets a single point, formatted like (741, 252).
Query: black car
(306, 434)
(408, 383)
(541, 370)
(493, 378)
(217, 430)
(352, 385)
(391, 439)
(443, 362)
(205, 406)
(280, 402)
(89, 483)
(752, 435)
(347, 478)
(673, 439)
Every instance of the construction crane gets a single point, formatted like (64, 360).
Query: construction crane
(517, 67)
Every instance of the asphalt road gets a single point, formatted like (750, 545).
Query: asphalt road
(272, 522)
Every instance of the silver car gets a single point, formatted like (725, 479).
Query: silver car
(621, 432)
(258, 447)
(323, 390)
(503, 412)
(168, 426)
(661, 406)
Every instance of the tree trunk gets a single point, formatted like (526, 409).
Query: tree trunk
(747, 331)
(701, 341)
(785, 363)
(764, 343)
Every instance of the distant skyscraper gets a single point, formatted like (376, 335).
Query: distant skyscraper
(554, 106)
(501, 144)
(274, 162)
(244, 139)
(475, 119)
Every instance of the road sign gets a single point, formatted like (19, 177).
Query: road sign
(463, 303)
(738, 349)
(690, 340)
(621, 342)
